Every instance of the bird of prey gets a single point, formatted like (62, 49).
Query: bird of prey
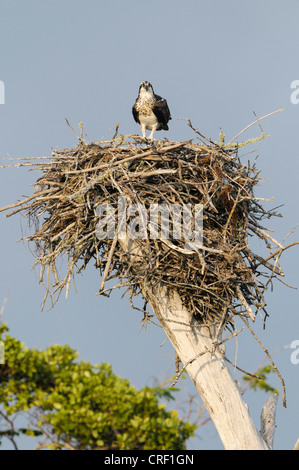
(150, 110)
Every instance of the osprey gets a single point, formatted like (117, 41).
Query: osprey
(150, 110)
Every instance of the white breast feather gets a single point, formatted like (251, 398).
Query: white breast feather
(148, 121)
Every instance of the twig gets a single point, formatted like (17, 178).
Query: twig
(72, 128)
(271, 361)
(242, 370)
(116, 131)
(245, 304)
(108, 263)
(178, 375)
(35, 196)
(254, 122)
(11, 433)
(129, 159)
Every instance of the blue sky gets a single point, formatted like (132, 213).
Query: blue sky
(215, 62)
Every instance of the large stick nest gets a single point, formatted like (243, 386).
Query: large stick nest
(223, 279)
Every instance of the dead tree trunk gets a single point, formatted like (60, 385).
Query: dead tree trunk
(209, 372)
(204, 363)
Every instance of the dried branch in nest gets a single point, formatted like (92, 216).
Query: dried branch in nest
(222, 279)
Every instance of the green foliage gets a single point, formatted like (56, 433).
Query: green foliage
(261, 383)
(77, 405)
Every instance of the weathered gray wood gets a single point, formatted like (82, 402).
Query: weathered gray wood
(268, 420)
(209, 373)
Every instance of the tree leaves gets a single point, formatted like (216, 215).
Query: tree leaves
(76, 405)
(261, 383)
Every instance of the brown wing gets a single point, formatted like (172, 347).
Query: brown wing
(161, 111)
(135, 114)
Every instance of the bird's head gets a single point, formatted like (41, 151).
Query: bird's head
(146, 90)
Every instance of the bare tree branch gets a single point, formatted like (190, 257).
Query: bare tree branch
(268, 420)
